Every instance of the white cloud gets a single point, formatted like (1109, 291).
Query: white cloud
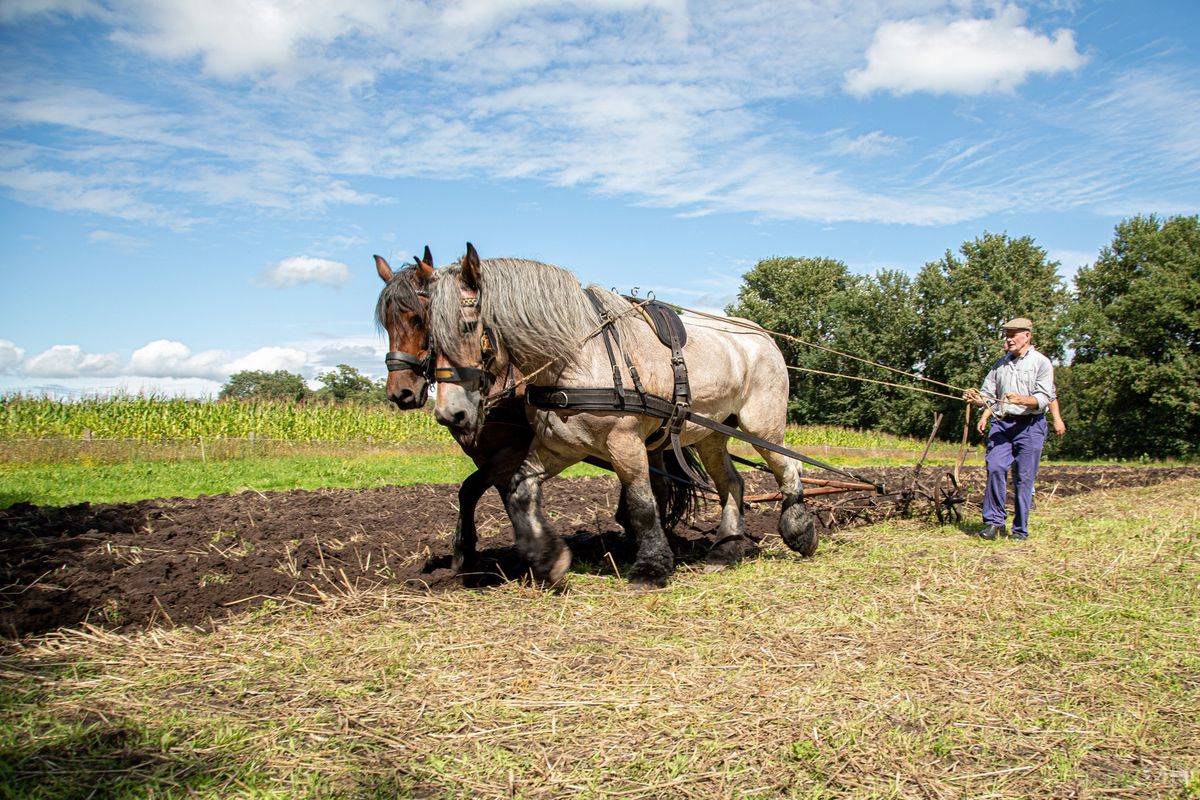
(696, 106)
(69, 360)
(271, 359)
(234, 38)
(10, 355)
(66, 191)
(967, 56)
(164, 358)
(869, 145)
(118, 240)
(163, 362)
(302, 269)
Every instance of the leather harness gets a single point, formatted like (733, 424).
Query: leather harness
(667, 325)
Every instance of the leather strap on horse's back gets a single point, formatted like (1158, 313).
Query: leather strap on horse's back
(608, 332)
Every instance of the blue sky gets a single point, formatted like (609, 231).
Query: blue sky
(189, 188)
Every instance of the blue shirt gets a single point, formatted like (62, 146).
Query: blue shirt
(1030, 374)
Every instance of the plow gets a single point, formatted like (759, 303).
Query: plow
(846, 502)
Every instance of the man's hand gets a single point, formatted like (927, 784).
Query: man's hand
(973, 397)
(1060, 427)
(981, 426)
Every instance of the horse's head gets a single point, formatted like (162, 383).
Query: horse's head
(402, 311)
(469, 357)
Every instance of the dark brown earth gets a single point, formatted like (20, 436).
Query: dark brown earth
(190, 562)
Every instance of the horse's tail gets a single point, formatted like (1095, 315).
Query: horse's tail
(682, 495)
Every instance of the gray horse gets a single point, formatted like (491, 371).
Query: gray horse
(486, 316)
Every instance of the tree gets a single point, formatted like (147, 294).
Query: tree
(873, 318)
(260, 384)
(345, 382)
(793, 296)
(1135, 329)
(877, 320)
(963, 303)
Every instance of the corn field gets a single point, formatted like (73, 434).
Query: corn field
(174, 419)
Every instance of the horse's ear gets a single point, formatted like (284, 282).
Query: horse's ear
(425, 266)
(383, 268)
(472, 272)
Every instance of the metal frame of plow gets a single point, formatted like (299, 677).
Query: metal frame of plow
(844, 503)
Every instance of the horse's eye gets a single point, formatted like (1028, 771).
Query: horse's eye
(467, 327)
(416, 319)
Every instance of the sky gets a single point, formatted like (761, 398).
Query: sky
(191, 188)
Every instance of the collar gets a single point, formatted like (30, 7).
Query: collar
(1013, 357)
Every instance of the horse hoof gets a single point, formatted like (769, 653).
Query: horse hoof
(648, 585)
(728, 552)
(799, 530)
(646, 578)
(558, 570)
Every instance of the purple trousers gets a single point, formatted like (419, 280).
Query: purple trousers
(1014, 444)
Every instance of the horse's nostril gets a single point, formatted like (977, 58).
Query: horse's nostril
(459, 418)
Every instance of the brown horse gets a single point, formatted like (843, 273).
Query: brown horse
(503, 440)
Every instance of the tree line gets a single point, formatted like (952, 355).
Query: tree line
(1125, 340)
(342, 383)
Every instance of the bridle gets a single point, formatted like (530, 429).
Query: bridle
(397, 360)
(485, 373)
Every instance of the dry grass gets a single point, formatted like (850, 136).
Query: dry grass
(902, 662)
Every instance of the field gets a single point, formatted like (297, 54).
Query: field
(246, 610)
(314, 644)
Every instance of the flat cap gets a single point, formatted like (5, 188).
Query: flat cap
(1019, 324)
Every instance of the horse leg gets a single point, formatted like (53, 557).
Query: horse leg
(548, 555)
(658, 486)
(731, 544)
(797, 525)
(465, 534)
(654, 562)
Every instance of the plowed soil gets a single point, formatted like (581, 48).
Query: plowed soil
(177, 561)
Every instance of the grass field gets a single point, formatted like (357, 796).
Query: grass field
(901, 662)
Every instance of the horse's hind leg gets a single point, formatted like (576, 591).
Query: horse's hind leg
(731, 544)
(796, 524)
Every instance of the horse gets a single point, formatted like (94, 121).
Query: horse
(488, 316)
(503, 440)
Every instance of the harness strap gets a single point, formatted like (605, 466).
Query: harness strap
(554, 397)
(608, 332)
(397, 361)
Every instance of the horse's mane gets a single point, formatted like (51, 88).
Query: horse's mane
(539, 312)
(397, 293)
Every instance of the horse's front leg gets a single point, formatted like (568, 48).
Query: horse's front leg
(655, 562)
(466, 536)
(547, 554)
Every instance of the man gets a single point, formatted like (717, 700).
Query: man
(1017, 392)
